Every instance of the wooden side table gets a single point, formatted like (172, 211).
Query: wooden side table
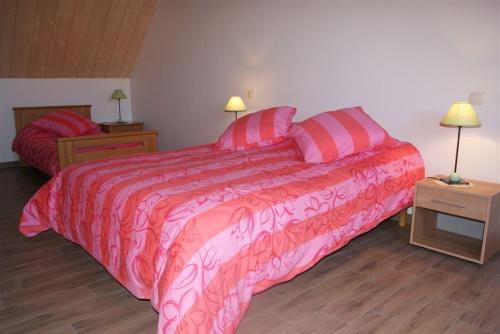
(479, 202)
(121, 127)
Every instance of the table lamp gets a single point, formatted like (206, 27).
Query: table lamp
(236, 105)
(118, 94)
(461, 115)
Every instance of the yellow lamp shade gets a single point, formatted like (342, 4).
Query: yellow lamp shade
(235, 104)
(461, 114)
(118, 94)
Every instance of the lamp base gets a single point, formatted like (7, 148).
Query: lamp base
(452, 182)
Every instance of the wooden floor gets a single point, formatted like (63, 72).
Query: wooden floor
(377, 284)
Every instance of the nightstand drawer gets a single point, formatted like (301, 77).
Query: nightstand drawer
(455, 203)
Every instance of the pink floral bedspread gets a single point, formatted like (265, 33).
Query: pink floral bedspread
(199, 231)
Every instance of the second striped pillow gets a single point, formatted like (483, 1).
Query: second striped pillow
(336, 134)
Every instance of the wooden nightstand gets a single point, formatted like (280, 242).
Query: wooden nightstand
(480, 202)
(121, 127)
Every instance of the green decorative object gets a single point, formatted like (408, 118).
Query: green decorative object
(118, 94)
(454, 178)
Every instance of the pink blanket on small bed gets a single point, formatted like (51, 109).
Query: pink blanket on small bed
(199, 231)
(38, 148)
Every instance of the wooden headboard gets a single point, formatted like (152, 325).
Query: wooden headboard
(26, 115)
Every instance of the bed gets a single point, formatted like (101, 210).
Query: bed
(50, 153)
(198, 231)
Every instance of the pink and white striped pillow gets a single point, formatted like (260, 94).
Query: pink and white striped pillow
(65, 123)
(262, 128)
(336, 134)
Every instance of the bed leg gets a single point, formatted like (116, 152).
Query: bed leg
(403, 217)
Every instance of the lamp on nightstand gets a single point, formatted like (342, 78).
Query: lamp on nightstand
(118, 94)
(236, 105)
(461, 115)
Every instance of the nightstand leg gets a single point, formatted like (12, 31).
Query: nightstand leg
(403, 217)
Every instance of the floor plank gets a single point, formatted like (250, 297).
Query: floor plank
(371, 323)
(484, 313)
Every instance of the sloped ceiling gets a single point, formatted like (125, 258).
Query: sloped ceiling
(71, 38)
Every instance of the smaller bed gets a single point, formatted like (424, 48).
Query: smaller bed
(49, 153)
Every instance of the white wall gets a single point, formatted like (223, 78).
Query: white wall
(40, 92)
(405, 62)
